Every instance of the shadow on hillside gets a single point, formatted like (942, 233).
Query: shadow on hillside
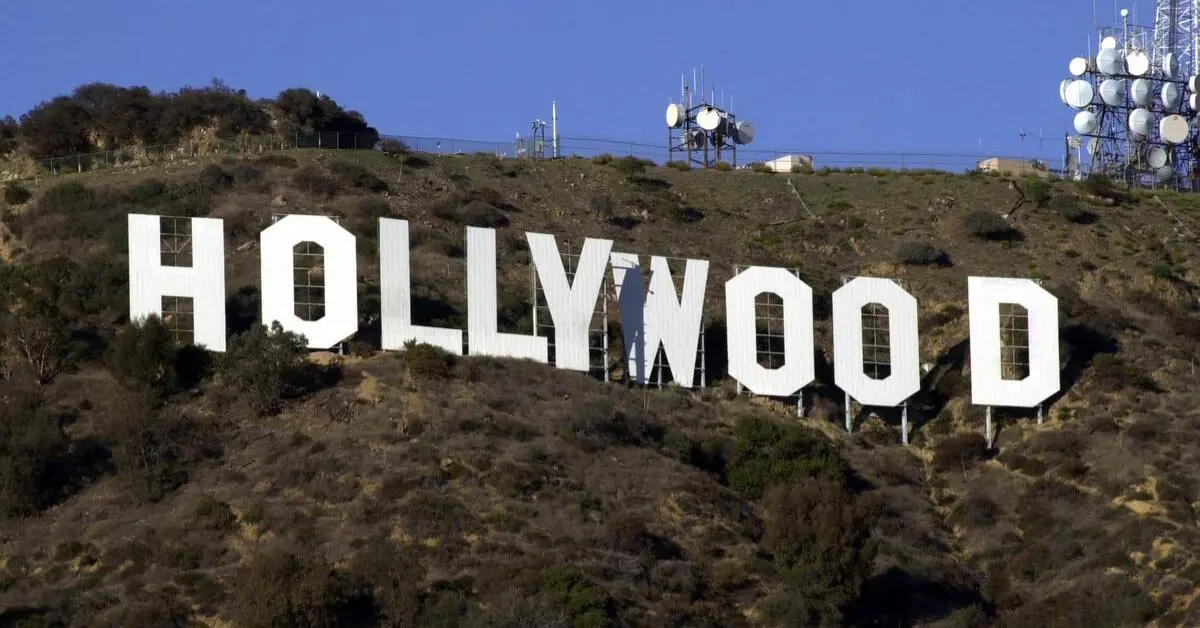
(898, 598)
(647, 184)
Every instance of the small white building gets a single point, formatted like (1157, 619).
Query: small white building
(785, 163)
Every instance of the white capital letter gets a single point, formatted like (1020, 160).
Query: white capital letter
(988, 387)
(340, 274)
(395, 299)
(664, 318)
(799, 368)
(204, 281)
(572, 303)
(483, 337)
(904, 350)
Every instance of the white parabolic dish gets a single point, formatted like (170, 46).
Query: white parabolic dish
(1109, 61)
(1171, 96)
(1062, 90)
(1139, 122)
(1194, 102)
(1112, 92)
(745, 132)
(1108, 43)
(1170, 66)
(1078, 66)
(708, 118)
(1173, 129)
(1138, 63)
(1085, 122)
(1192, 83)
(675, 115)
(1080, 94)
(1141, 92)
(1165, 173)
(1157, 157)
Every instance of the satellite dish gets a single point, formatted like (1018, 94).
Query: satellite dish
(743, 132)
(676, 115)
(1170, 66)
(1093, 148)
(1080, 94)
(1174, 129)
(1062, 90)
(1194, 102)
(1078, 66)
(1110, 62)
(1140, 122)
(1108, 43)
(1085, 122)
(695, 139)
(1138, 63)
(1157, 157)
(1171, 96)
(709, 118)
(1112, 92)
(1165, 173)
(1141, 92)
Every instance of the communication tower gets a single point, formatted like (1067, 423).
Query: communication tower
(1136, 100)
(699, 130)
(535, 145)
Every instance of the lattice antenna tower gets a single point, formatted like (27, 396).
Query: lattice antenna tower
(1136, 100)
(699, 132)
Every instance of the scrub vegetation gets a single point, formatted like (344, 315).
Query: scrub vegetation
(144, 481)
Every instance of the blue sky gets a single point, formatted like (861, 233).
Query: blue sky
(957, 76)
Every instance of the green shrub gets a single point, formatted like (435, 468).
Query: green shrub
(723, 166)
(679, 165)
(427, 362)
(587, 603)
(767, 453)
(266, 367)
(16, 194)
(630, 165)
(215, 515)
(761, 168)
(1038, 190)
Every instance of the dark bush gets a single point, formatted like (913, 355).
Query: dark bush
(959, 452)
(32, 443)
(145, 356)
(1038, 191)
(355, 177)
(916, 253)
(281, 588)
(213, 178)
(630, 165)
(767, 453)
(820, 545)
(988, 225)
(214, 515)
(266, 367)
(567, 587)
(278, 161)
(16, 194)
(393, 146)
(154, 450)
(312, 179)
(427, 362)
(474, 213)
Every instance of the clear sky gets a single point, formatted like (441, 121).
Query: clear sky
(958, 76)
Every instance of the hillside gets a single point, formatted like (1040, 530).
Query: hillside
(144, 482)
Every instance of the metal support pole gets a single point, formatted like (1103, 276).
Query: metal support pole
(989, 433)
(904, 423)
(849, 420)
(1039, 414)
(604, 326)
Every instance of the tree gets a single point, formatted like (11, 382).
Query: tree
(266, 367)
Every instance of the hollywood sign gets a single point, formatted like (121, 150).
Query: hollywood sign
(650, 318)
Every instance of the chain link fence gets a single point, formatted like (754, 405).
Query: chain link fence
(569, 147)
